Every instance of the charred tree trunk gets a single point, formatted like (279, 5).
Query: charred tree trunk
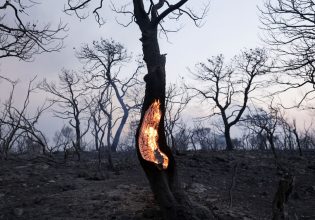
(228, 140)
(281, 197)
(5, 152)
(108, 139)
(77, 151)
(123, 119)
(272, 146)
(155, 156)
(298, 141)
(119, 131)
(77, 145)
(99, 157)
(163, 180)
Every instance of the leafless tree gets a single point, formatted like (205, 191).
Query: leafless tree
(254, 139)
(9, 124)
(23, 39)
(297, 137)
(182, 138)
(289, 136)
(17, 123)
(204, 138)
(264, 122)
(307, 139)
(34, 134)
(150, 17)
(98, 124)
(103, 63)
(64, 139)
(229, 87)
(129, 141)
(289, 26)
(269, 123)
(107, 108)
(69, 95)
(176, 101)
(287, 133)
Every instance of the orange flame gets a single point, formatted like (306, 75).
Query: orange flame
(148, 138)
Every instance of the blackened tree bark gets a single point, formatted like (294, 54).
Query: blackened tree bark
(297, 138)
(164, 182)
(228, 140)
(270, 138)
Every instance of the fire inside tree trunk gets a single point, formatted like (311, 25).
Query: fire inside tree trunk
(154, 155)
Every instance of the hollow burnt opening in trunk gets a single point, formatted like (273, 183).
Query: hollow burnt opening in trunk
(153, 153)
(148, 136)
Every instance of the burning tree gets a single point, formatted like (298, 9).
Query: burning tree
(155, 156)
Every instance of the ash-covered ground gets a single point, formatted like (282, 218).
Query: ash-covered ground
(44, 188)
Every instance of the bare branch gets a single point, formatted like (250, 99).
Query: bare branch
(228, 87)
(23, 39)
(289, 27)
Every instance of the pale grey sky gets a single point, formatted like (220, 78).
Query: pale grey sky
(229, 27)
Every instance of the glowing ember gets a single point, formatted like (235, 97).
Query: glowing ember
(148, 138)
